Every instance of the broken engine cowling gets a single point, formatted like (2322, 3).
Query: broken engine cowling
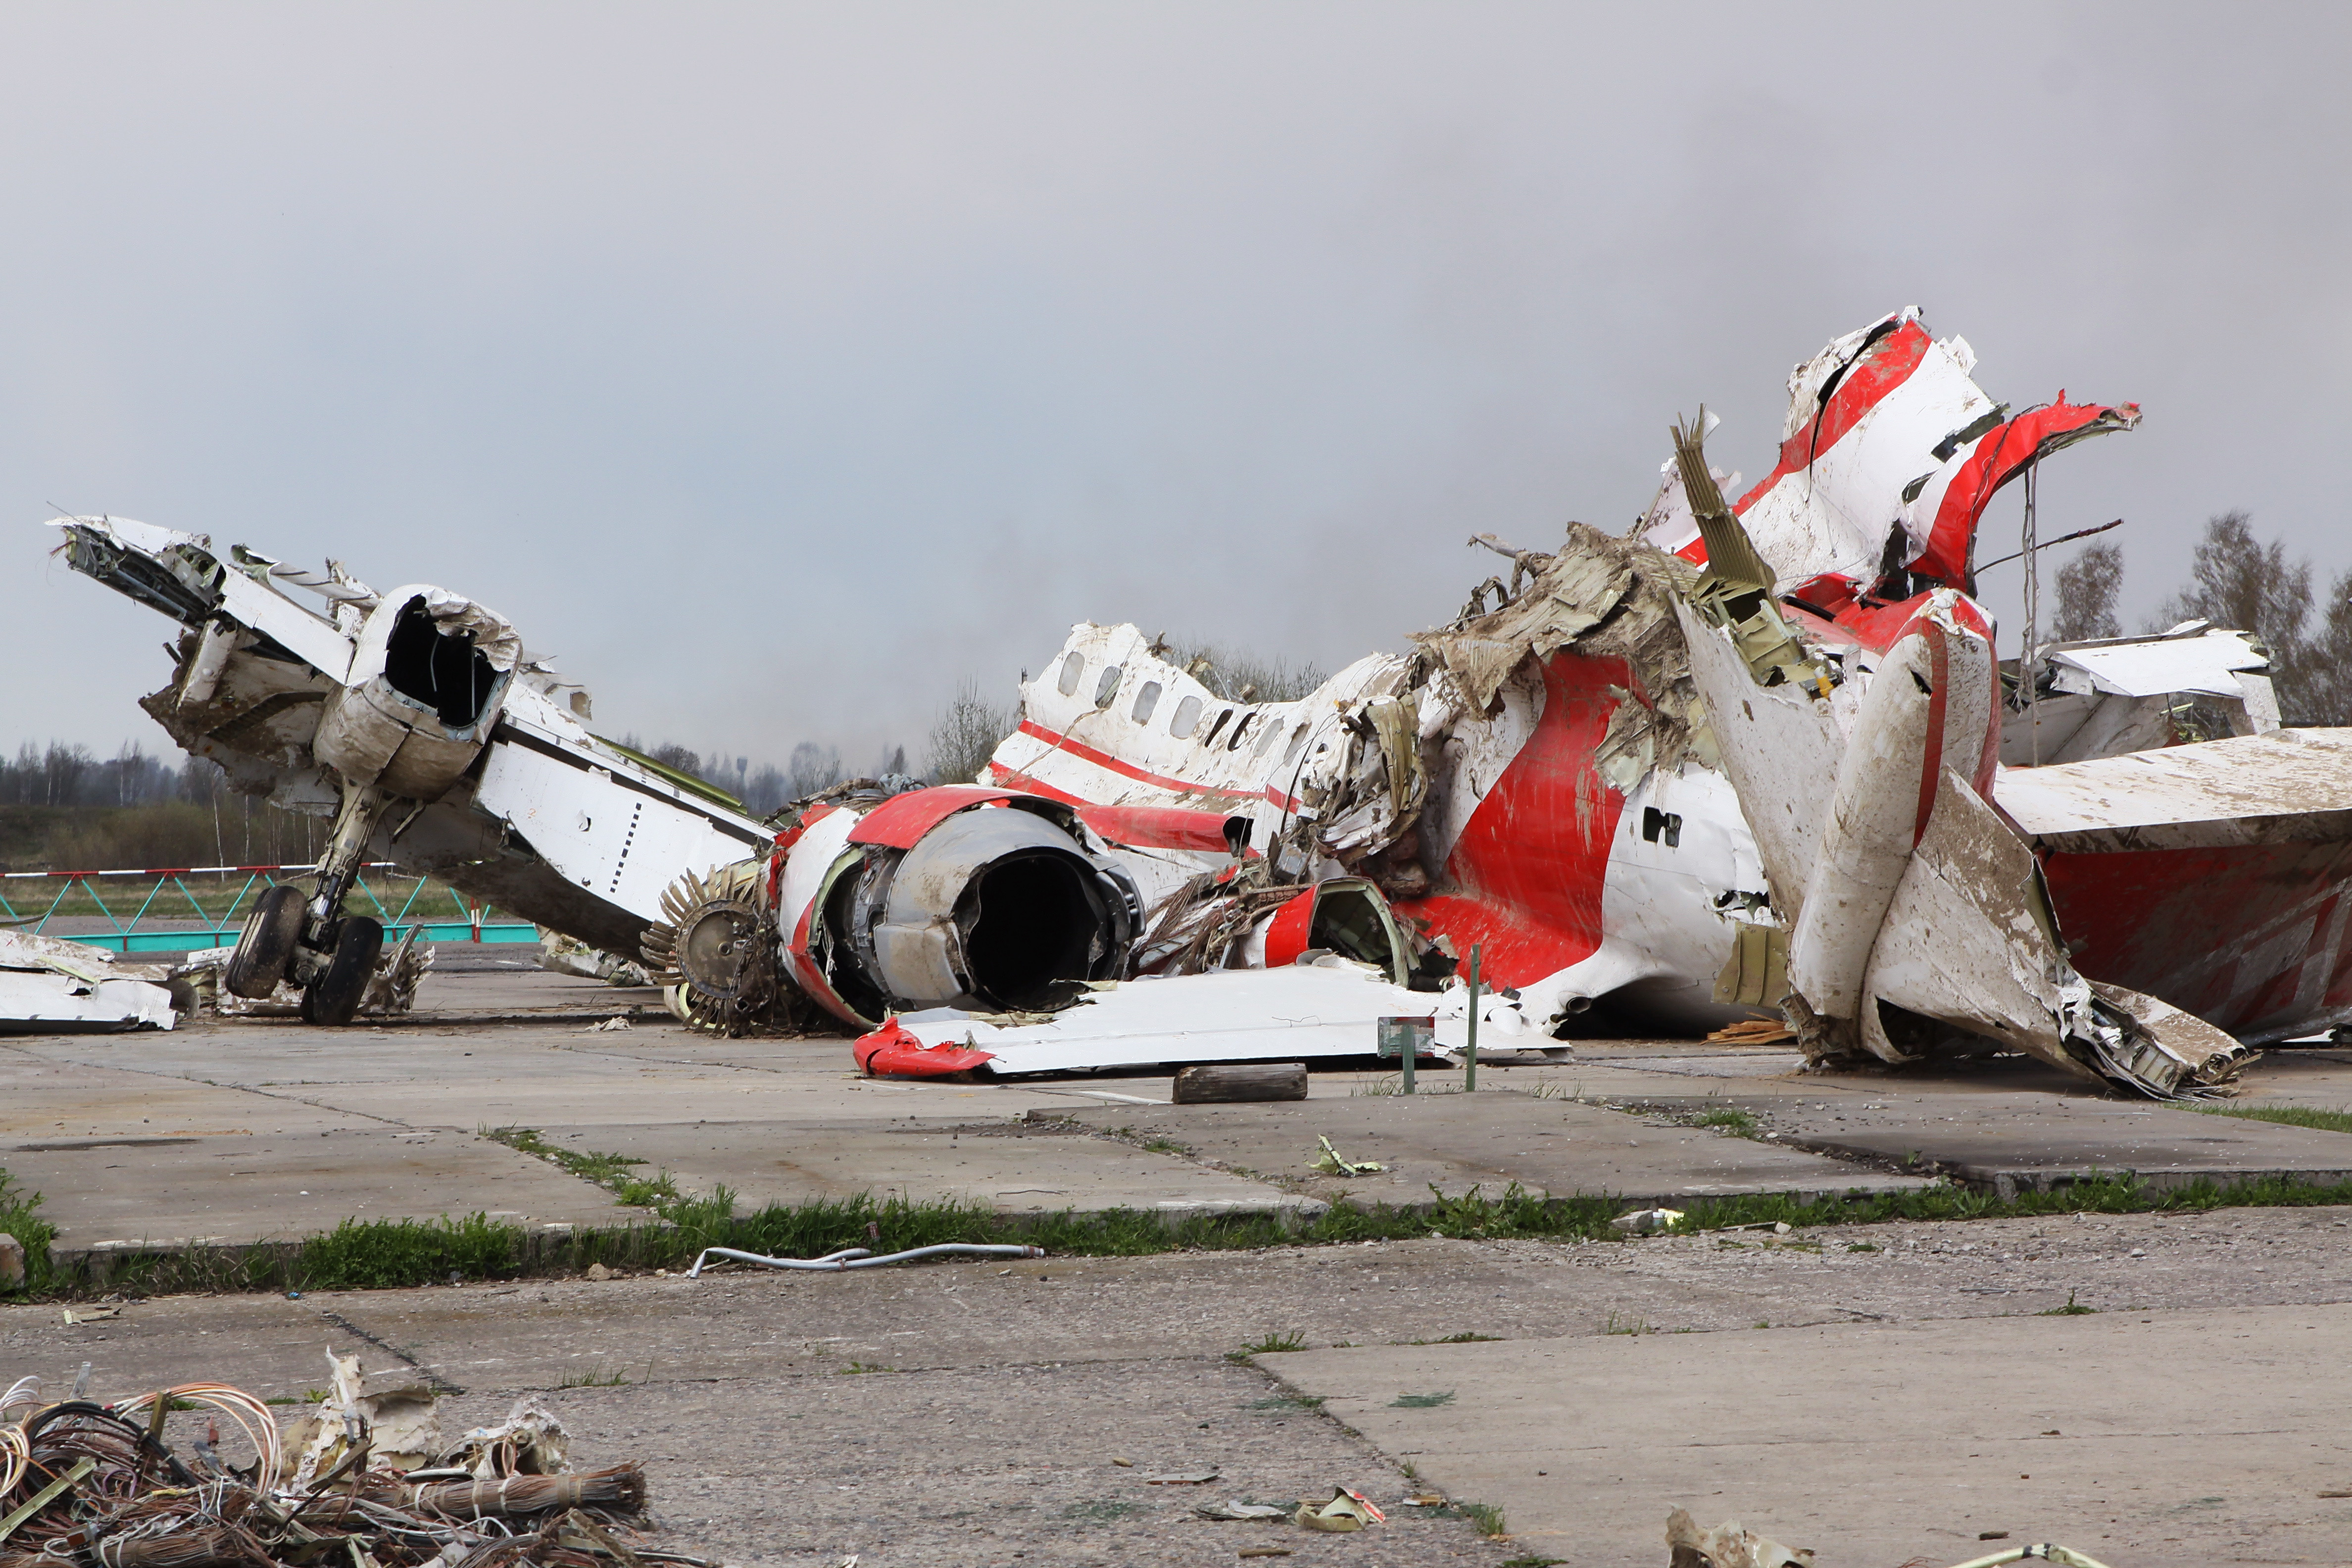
(984, 900)
(428, 673)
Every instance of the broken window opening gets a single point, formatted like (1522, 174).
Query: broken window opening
(1030, 924)
(1234, 742)
(1071, 667)
(1188, 717)
(1661, 827)
(1107, 687)
(1298, 740)
(1145, 701)
(1211, 738)
(1267, 736)
(442, 671)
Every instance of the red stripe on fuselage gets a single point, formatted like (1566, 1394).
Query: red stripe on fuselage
(1084, 752)
(1528, 868)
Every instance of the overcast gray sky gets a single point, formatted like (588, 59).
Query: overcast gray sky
(773, 366)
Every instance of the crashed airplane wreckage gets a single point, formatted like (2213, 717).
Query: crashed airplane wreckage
(1758, 755)
(418, 723)
(1762, 755)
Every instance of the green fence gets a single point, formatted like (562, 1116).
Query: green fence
(159, 894)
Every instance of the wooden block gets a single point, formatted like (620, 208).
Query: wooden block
(1246, 1081)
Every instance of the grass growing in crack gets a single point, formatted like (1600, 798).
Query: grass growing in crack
(2073, 1309)
(858, 1366)
(1421, 1401)
(1164, 1146)
(2286, 1115)
(1289, 1402)
(1272, 1344)
(1619, 1325)
(361, 1253)
(592, 1379)
(613, 1173)
(1485, 1515)
(1460, 1340)
(1731, 1118)
(1532, 1563)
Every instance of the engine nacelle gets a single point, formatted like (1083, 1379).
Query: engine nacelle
(959, 896)
(428, 675)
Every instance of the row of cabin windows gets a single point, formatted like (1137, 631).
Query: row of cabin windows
(1187, 717)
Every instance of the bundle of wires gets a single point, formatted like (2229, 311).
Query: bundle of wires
(86, 1485)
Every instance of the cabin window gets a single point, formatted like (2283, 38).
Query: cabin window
(1107, 687)
(1211, 738)
(1146, 700)
(1297, 740)
(1071, 667)
(1234, 742)
(1188, 717)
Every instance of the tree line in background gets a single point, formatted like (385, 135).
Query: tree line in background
(2237, 581)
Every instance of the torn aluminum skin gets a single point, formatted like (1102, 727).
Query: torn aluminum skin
(49, 986)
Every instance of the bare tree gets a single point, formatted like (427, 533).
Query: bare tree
(964, 736)
(812, 767)
(2239, 584)
(1242, 676)
(2088, 586)
(2324, 694)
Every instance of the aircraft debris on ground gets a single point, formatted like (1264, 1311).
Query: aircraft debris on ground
(366, 1475)
(1755, 757)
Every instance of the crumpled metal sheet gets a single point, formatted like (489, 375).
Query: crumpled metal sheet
(1727, 1545)
(51, 985)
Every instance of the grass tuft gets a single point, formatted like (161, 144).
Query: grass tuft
(1485, 1515)
(1421, 1401)
(2073, 1309)
(1730, 1118)
(592, 1379)
(1271, 1344)
(2286, 1115)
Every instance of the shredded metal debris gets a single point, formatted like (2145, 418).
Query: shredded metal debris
(363, 1476)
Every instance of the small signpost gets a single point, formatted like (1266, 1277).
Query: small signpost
(1406, 1038)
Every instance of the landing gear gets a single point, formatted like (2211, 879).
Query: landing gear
(333, 995)
(310, 943)
(266, 947)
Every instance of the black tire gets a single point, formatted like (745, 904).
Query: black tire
(265, 945)
(332, 999)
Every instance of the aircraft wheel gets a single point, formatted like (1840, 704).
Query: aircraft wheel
(265, 945)
(334, 998)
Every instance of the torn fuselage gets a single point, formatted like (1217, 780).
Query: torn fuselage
(418, 723)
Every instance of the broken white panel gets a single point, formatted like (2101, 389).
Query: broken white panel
(1780, 750)
(2289, 784)
(246, 596)
(1327, 1008)
(2208, 665)
(48, 986)
(620, 832)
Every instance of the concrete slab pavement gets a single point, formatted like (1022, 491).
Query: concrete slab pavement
(2008, 1142)
(1487, 1140)
(1015, 1168)
(2148, 1439)
(229, 1191)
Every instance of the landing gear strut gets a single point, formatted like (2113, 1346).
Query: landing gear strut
(310, 943)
